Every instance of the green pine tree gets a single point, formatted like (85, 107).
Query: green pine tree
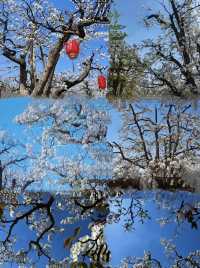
(125, 65)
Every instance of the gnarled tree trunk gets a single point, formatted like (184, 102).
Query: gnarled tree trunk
(45, 81)
(23, 80)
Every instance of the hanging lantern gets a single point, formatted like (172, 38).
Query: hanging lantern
(102, 82)
(72, 48)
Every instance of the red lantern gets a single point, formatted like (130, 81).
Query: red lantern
(102, 82)
(72, 48)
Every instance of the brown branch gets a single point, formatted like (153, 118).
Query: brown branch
(26, 215)
(81, 78)
(157, 18)
(140, 133)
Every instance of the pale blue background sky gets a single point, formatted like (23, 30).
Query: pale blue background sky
(147, 236)
(132, 13)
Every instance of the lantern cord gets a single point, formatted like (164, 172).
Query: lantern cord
(73, 67)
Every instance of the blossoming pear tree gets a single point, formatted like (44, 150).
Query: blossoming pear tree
(191, 260)
(46, 157)
(174, 54)
(159, 149)
(73, 146)
(13, 155)
(33, 35)
(93, 191)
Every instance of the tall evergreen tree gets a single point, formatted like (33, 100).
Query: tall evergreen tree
(125, 65)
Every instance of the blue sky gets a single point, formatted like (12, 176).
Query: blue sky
(147, 236)
(132, 13)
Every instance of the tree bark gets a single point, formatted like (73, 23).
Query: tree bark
(50, 66)
(1, 176)
(21, 61)
(23, 80)
(33, 76)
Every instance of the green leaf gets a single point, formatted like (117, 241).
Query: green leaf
(107, 258)
(74, 265)
(77, 231)
(96, 265)
(92, 265)
(82, 265)
(1, 209)
(194, 225)
(68, 242)
(78, 265)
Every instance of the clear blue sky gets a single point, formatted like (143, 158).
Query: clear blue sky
(132, 13)
(147, 236)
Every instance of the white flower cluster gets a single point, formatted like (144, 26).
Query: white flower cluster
(165, 168)
(61, 125)
(86, 242)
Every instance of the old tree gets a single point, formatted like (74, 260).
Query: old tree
(167, 63)
(32, 35)
(159, 149)
(66, 172)
(174, 56)
(126, 67)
